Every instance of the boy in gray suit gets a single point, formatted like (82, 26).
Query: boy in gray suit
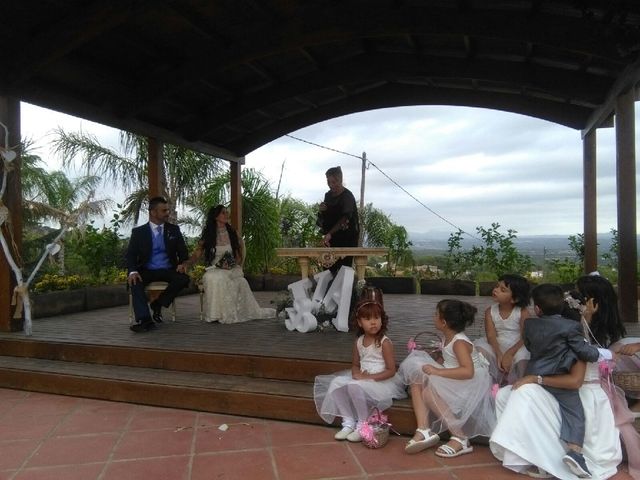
(555, 344)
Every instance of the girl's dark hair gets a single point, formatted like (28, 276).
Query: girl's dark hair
(210, 232)
(456, 313)
(369, 308)
(520, 288)
(606, 325)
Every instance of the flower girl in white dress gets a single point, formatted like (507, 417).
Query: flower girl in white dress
(371, 382)
(454, 395)
(502, 344)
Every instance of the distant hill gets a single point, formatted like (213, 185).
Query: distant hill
(536, 246)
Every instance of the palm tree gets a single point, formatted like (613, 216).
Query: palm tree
(375, 225)
(260, 215)
(380, 231)
(184, 172)
(69, 202)
(298, 223)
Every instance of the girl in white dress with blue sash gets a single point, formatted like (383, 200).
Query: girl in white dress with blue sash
(372, 380)
(454, 395)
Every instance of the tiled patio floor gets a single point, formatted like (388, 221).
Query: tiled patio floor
(57, 437)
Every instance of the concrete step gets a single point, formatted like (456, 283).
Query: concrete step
(254, 366)
(211, 392)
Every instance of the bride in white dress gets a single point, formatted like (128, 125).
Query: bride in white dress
(227, 295)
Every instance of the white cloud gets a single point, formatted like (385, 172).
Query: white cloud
(472, 166)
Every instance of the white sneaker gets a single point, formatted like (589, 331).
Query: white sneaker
(354, 436)
(344, 433)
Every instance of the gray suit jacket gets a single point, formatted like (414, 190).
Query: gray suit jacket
(555, 344)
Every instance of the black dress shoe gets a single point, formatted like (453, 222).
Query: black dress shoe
(157, 312)
(143, 326)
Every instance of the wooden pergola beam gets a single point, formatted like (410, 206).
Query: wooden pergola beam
(602, 115)
(12, 229)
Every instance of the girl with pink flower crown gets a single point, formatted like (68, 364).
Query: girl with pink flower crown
(503, 321)
(372, 380)
(454, 394)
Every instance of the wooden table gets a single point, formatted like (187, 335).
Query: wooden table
(327, 256)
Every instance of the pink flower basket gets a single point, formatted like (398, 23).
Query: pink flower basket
(429, 341)
(375, 430)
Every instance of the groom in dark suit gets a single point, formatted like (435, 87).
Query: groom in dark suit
(156, 253)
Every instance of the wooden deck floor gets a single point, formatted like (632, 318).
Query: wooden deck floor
(408, 314)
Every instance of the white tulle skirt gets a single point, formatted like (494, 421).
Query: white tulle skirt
(464, 406)
(339, 395)
(518, 366)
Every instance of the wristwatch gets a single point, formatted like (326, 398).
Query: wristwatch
(540, 382)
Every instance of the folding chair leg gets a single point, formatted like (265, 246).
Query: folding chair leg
(173, 311)
(201, 305)
(130, 308)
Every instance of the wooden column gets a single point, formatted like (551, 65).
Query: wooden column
(10, 116)
(155, 167)
(590, 203)
(236, 195)
(626, 191)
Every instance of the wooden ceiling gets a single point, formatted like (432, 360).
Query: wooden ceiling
(227, 76)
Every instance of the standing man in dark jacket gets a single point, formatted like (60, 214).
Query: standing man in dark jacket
(156, 253)
(338, 217)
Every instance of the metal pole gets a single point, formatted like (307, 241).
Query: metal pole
(364, 168)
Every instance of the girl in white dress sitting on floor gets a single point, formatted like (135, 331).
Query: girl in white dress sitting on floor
(503, 322)
(372, 380)
(455, 395)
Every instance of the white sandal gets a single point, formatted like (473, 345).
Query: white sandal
(447, 451)
(429, 440)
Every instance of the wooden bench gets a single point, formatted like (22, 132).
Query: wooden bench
(327, 256)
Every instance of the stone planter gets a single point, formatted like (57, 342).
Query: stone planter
(256, 282)
(60, 302)
(448, 287)
(485, 289)
(393, 284)
(105, 296)
(276, 283)
(90, 298)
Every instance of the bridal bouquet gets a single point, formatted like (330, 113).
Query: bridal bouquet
(227, 262)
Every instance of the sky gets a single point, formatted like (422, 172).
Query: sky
(472, 167)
